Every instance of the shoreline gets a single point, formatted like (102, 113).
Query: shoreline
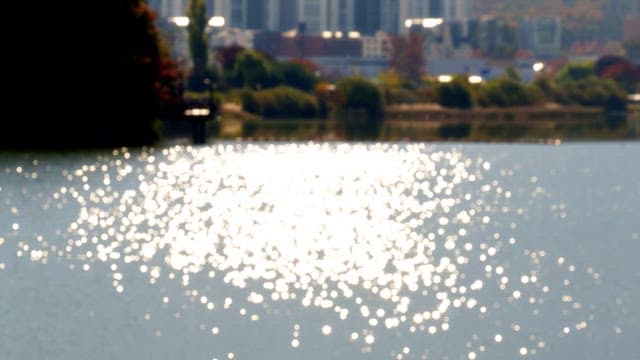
(428, 122)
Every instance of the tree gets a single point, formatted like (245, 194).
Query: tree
(100, 86)
(254, 69)
(407, 56)
(168, 84)
(197, 13)
(280, 102)
(506, 92)
(620, 70)
(578, 83)
(226, 56)
(356, 95)
(456, 93)
(294, 74)
(575, 72)
(512, 73)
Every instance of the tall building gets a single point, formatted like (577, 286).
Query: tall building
(615, 14)
(341, 15)
(327, 15)
(247, 14)
(314, 15)
(210, 4)
(412, 9)
(390, 17)
(455, 10)
(169, 8)
(394, 13)
(436, 8)
(541, 35)
(365, 16)
(288, 15)
(256, 14)
(368, 16)
(449, 10)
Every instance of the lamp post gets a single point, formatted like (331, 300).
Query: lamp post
(198, 115)
(209, 84)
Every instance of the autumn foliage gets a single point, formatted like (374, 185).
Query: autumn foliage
(620, 70)
(407, 56)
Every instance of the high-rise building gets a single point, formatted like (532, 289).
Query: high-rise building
(256, 14)
(169, 8)
(455, 10)
(210, 4)
(288, 15)
(340, 15)
(449, 10)
(412, 9)
(394, 13)
(542, 35)
(615, 14)
(365, 16)
(314, 14)
(436, 8)
(327, 15)
(368, 16)
(390, 16)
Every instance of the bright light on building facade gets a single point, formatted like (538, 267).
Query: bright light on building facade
(180, 21)
(217, 21)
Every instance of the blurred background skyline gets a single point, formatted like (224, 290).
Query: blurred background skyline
(354, 36)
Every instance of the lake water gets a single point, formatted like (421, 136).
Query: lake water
(322, 251)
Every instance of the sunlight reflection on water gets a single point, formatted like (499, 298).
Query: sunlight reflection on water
(387, 238)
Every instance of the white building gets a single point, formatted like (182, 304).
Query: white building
(232, 36)
(376, 46)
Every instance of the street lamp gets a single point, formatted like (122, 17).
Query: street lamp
(198, 116)
(209, 84)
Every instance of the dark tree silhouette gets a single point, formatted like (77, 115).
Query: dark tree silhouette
(197, 13)
(100, 84)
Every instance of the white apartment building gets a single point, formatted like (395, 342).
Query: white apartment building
(376, 46)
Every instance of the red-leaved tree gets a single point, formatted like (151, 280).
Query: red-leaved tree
(407, 56)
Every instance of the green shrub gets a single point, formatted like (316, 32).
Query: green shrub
(456, 94)
(506, 92)
(575, 72)
(295, 75)
(593, 91)
(280, 102)
(357, 95)
(250, 102)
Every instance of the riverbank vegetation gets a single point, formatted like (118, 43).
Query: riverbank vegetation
(275, 89)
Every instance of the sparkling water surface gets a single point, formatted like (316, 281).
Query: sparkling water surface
(322, 251)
